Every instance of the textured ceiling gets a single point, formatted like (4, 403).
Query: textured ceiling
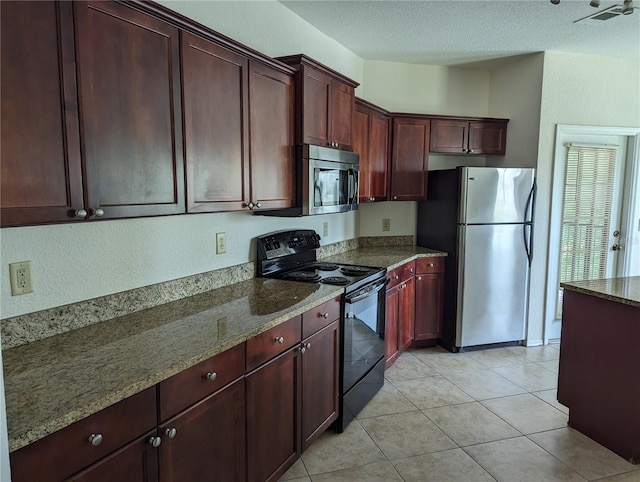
(461, 32)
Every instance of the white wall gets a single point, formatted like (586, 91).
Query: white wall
(515, 94)
(426, 89)
(580, 90)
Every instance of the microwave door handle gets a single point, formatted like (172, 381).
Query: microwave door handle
(353, 186)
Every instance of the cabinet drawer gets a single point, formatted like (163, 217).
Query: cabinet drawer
(430, 265)
(394, 276)
(69, 450)
(189, 386)
(408, 270)
(320, 316)
(271, 343)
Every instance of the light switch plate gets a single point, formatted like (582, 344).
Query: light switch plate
(386, 224)
(221, 243)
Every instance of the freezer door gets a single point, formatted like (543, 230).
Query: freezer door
(495, 195)
(493, 276)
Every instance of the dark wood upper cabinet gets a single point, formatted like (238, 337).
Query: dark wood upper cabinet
(40, 148)
(410, 158)
(215, 86)
(129, 86)
(271, 126)
(371, 133)
(476, 137)
(324, 104)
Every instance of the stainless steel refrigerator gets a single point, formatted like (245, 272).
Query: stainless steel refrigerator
(482, 217)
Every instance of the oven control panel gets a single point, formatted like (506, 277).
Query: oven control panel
(283, 243)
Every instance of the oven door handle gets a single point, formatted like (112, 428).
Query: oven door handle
(355, 297)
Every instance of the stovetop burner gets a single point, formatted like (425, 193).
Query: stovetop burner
(303, 276)
(324, 266)
(355, 270)
(336, 280)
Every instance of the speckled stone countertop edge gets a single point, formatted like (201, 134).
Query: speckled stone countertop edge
(624, 290)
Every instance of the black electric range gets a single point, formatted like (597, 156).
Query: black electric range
(292, 255)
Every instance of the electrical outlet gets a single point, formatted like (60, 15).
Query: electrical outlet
(325, 229)
(20, 274)
(221, 243)
(386, 224)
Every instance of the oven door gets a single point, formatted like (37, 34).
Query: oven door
(364, 311)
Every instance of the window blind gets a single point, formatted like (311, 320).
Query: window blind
(586, 214)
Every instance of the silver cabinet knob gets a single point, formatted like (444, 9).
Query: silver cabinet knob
(170, 432)
(80, 213)
(470, 151)
(430, 265)
(395, 276)
(258, 205)
(95, 439)
(155, 441)
(212, 376)
(98, 212)
(250, 205)
(325, 315)
(464, 149)
(304, 347)
(410, 270)
(280, 339)
(419, 278)
(395, 198)
(616, 247)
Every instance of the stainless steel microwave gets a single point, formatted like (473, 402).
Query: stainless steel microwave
(327, 181)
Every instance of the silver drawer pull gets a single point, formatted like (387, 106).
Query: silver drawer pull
(95, 439)
(171, 432)
(212, 376)
(280, 339)
(325, 315)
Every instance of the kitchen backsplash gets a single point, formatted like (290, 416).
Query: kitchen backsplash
(30, 327)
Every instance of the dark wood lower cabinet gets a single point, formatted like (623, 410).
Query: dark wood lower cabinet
(320, 371)
(399, 319)
(273, 417)
(206, 441)
(136, 462)
(428, 317)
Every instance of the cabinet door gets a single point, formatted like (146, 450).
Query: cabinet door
(487, 138)
(40, 147)
(129, 86)
(271, 118)
(391, 325)
(428, 316)
(316, 97)
(273, 417)
(216, 131)
(136, 462)
(320, 369)
(209, 439)
(361, 146)
(378, 162)
(407, 314)
(449, 136)
(409, 162)
(341, 115)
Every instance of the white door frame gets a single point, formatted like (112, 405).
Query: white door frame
(631, 207)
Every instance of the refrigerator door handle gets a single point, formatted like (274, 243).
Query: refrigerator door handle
(531, 200)
(528, 243)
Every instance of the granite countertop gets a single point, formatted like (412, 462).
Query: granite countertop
(621, 290)
(55, 381)
(383, 256)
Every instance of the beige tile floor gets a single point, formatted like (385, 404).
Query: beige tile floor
(488, 415)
